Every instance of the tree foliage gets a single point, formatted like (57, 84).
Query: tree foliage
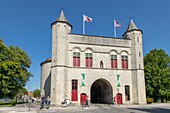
(157, 74)
(14, 63)
(23, 91)
(36, 93)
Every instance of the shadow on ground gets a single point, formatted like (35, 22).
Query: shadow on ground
(152, 110)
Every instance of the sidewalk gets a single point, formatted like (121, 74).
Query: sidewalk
(144, 105)
(35, 109)
(16, 110)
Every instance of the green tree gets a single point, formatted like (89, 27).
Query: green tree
(36, 93)
(13, 70)
(157, 74)
(22, 92)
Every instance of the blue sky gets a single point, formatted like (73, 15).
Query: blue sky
(27, 24)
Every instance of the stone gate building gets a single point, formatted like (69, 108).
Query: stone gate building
(95, 66)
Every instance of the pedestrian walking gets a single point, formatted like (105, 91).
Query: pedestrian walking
(87, 104)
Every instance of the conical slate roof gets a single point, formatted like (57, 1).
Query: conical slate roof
(131, 26)
(62, 17)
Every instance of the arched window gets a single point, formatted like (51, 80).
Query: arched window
(114, 61)
(124, 62)
(89, 57)
(124, 59)
(76, 56)
(76, 59)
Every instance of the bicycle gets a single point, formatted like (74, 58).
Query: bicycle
(66, 103)
(44, 103)
(71, 103)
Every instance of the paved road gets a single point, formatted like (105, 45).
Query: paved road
(97, 108)
(100, 108)
(152, 108)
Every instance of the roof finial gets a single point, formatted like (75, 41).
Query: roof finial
(62, 9)
(130, 18)
(62, 16)
(131, 25)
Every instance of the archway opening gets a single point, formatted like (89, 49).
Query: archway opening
(119, 98)
(83, 98)
(101, 92)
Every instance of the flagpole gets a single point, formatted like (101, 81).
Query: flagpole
(83, 25)
(114, 29)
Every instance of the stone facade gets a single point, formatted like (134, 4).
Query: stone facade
(100, 82)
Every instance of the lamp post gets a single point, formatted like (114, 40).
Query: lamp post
(28, 105)
(28, 99)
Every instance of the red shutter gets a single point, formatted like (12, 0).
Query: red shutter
(115, 63)
(91, 62)
(87, 62)
(126, 64)
(78, 62)
(123, 66)
(74, 61)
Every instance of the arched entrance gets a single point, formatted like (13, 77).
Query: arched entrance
(83, 98)
(101, 92)
(119, 98)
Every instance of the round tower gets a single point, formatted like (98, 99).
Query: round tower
(46, 77)
(60, 30)
(137, 65)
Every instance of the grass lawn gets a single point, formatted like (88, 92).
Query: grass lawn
(8, 104)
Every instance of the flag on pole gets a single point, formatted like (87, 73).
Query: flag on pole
(87, 19)
(117, 24)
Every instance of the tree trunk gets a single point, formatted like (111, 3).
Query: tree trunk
(166, 99)
(162, 100)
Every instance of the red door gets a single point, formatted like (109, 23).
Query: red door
(119, 98)
(74, 90)
(83, 98)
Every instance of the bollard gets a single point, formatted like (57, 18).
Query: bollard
(28, 106)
